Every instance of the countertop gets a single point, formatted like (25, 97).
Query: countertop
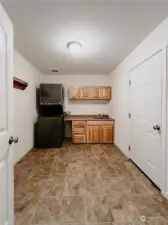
(85, 117)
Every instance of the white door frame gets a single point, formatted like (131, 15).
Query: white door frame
(164, 108)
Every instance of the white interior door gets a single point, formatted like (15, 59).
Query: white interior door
(6, 112)
(146, 105)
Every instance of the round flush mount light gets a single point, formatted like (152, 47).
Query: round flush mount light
(74, 46)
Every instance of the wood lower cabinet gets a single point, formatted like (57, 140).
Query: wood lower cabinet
(92, 131)
(99, 134)
(93, 134)
(79, 131)
(76, 138)
(106, 134)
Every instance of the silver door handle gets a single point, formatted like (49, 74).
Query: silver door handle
(13, 140)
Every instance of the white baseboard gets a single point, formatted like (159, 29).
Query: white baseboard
(125, 153)
(165, 194)
(16, 160)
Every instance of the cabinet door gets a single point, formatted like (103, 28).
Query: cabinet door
(90, 93)
(105, 93)
(106, 134)
(74, 93)
(84, 93)
(94, 93)
(93, 134)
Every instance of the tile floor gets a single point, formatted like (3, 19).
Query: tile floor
(85, 185)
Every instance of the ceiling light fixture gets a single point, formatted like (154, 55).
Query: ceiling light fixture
(54, 70)
(74, 46)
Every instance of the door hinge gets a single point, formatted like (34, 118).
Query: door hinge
(129, 148)
(129, 82)
(129, 115)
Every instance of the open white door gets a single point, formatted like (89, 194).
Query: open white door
(6, 113)
(146, 117)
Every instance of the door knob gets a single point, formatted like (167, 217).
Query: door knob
(157, 127)
(13, 140)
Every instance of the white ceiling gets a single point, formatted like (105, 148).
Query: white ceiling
(108, 30)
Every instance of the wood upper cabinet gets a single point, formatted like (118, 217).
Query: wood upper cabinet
(84, 93)
(94, 93)
(75, 93)
(105, 93)
(90, 93)
(93, 134)
(106, 134)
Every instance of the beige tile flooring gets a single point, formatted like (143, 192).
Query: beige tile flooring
(85, 185)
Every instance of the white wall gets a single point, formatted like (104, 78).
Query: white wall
(119, 79)
(80, 107)
(24, 105)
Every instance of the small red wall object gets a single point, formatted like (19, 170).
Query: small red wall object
(19, 84)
